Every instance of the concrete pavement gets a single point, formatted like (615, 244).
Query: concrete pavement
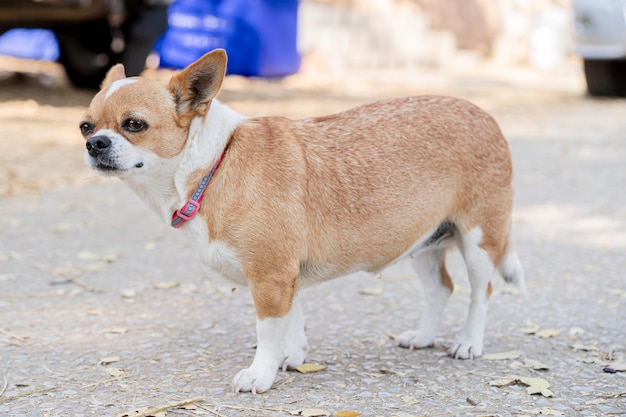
(103, 310)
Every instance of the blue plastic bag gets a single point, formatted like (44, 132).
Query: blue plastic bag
(30, 44)
(258, 35)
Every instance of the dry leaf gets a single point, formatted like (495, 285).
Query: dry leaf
(534, 385)
(586, 348)
(509, 290)
(575, 331)
(609, 396)
(159, 411)
(346, 413)
(532, 328)
(513, 354)
(307, 368)
(89, 225)
(61, 228)
(96, 266)
(128, 293)
(618, 292)
(166, 285)
(548, 333)
(537, 386)
(91, 256)
(504, 382)
(371, 291)
(409, 400)
(114, 372)
(14, 255)
(109, 360)
(67, 272)
(535, 365)
(116, 330)
(12, 335)
(314, 412)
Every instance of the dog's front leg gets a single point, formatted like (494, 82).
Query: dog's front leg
(273, 301)
(295, 345)
(260, 376)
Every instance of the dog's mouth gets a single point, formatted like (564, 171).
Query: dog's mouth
(106, 166)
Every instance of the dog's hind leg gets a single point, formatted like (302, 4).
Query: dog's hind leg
(480, 269)
(510, 266)
(431, 268)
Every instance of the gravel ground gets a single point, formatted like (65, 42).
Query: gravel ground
(103, 310)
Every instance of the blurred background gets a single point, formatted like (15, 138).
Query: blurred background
(289, 57)
(79, 255)
(276, 38)
(294, 58)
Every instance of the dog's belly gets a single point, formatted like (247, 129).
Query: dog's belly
(311, 272)
(224, 261)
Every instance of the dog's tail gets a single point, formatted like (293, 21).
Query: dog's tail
(510, 266)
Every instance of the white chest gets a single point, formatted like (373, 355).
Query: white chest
(216, 255)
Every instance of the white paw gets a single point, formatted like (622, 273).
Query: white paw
(295, 356)
(295, 348)
(415, 340)
(254, 380)
(466, 350)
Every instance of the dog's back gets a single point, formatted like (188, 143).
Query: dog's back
(376, 181)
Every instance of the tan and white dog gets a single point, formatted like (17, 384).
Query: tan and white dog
(287, 203)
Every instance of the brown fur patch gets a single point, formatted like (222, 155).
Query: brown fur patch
(446, 281)
(327, 196)
(149, 102)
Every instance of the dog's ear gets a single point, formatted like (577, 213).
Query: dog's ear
(115, 73)
(195, 86)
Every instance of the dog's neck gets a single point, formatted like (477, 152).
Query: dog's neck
(166, 190)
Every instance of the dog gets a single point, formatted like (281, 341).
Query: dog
(277, 204)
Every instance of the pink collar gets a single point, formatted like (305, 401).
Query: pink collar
(191, 207)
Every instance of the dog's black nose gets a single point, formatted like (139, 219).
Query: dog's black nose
(97, 145)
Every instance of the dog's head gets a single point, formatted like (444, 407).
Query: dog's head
(134, 124)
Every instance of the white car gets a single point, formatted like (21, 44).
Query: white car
(600, 27)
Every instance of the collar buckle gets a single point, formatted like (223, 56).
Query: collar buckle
(187, 212)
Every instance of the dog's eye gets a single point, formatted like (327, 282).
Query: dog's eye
(86, 128)
(134, 125)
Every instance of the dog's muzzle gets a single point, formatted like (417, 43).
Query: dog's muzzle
(98, 145)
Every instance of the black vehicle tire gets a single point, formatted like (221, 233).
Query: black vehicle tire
(85, 52)
(605, 78)
(85, 49)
